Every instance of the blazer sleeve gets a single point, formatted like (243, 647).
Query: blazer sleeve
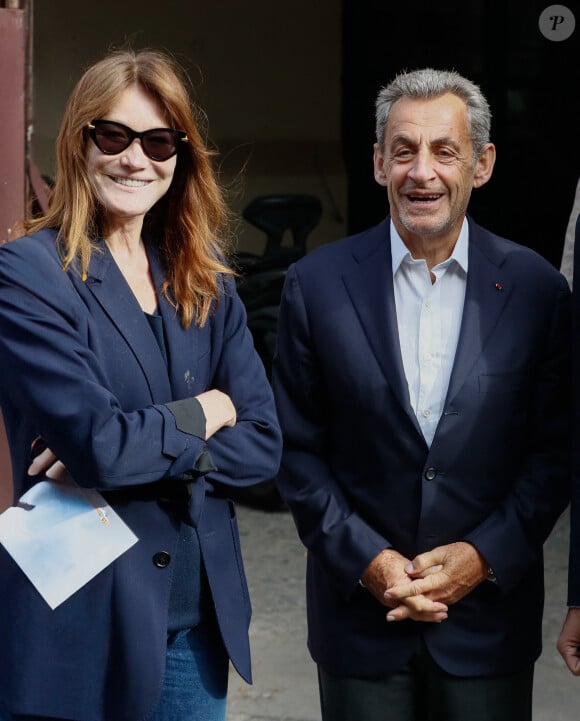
(50, 377)
(250, 451)
(511, 538)
(340, 540)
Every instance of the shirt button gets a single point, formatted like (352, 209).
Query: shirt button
(426, 413)
(162, 559)
(430, 474)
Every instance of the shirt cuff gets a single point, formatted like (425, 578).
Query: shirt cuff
(189, 416)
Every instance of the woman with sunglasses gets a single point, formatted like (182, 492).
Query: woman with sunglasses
(124, 354)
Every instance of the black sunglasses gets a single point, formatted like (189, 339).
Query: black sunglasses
(112, 138)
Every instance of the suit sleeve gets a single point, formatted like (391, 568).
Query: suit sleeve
(334, 534)
(52, 382)
(574, 565)
(512, 537)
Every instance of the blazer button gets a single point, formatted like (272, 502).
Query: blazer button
(430, 474)
(161, 559)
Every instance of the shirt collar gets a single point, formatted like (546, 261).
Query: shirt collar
(400, 253)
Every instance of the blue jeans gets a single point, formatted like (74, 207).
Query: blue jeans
(196, 679)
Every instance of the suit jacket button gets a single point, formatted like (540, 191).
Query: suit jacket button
(161, 559)
(430, 474)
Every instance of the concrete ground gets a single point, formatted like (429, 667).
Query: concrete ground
(285, 686)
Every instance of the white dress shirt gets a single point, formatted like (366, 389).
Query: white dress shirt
(429, 318)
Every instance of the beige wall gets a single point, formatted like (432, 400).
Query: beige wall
(266, 73)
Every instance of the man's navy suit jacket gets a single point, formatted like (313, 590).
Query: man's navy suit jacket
(80, 367)
(574, 565)
(359, 476)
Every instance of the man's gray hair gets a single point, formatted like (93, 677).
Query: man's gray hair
(429, 83)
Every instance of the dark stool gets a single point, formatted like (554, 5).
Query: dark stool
(275, 215)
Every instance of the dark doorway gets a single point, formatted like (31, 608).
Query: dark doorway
(530, 82)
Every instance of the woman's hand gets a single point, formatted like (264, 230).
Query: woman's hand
(217, 407)
(219, 411)
(45, 462)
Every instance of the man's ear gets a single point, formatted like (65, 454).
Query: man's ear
(484, 166)
(379, 165)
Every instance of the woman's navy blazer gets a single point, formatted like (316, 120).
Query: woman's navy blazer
(80, 366)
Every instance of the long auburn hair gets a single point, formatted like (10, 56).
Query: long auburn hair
(190, 222)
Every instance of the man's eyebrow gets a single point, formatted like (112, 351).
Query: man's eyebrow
(445, 140)
(403, 139)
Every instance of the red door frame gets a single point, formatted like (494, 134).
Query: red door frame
(15, 69)
(13, 117)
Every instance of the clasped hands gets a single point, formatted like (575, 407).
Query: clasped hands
(424, 588)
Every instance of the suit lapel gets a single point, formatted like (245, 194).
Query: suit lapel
(107, 284)
(486, 295)
(370, 287)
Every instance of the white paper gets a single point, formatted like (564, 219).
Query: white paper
(62, 535)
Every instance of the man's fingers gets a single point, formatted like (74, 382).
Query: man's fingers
(431, 612)
(402, 590)
(420, 605)
(399, 613)
(569, 641)
(570, 656)
(425, 572)
(419, 586)
(421, 564)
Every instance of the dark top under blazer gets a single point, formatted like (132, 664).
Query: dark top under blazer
(359, 476)
(80, 366)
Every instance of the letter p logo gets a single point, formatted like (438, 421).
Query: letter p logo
(557, 22)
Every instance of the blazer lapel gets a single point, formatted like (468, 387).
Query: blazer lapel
(107, 284)
(486, 295)
(370, 287)
(182, 343)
